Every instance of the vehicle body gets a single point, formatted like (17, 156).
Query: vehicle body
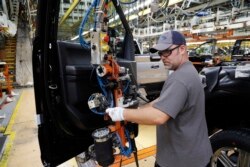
(203, 52)
(227, 94)
(151, 73)
(241, 50)
(208, 54)
(64, 80)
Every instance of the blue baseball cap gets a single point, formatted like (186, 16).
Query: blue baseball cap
(168, 39)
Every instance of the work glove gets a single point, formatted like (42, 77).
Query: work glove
(116, 113)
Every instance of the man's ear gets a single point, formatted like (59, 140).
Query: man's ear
(183, 49)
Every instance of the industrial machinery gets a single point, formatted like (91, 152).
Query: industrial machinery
(117, 90)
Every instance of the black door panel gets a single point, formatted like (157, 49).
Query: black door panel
(78, 79)
(66, 121)
(64, 79)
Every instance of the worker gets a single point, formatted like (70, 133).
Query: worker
(179, 111)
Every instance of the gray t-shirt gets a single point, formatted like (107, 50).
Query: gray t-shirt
(183, 140)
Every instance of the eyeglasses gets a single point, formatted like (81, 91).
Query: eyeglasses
(167, 52)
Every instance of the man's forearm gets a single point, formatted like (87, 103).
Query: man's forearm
(146, 115)
(150, 104)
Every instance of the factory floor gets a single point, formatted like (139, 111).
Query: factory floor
(24, 149)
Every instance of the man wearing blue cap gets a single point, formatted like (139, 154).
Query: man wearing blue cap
(179, 112)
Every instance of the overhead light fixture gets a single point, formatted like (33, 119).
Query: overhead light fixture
(226, 41)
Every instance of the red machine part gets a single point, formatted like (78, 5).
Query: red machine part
(113, 69)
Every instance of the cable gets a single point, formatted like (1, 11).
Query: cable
(125, 150)
(107, 94)
(102, 86)
(127, 86)
(83, 43)
(135, 152)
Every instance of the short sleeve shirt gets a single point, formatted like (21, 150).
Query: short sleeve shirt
(183, 140)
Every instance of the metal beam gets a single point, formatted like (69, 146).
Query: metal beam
(68, 12)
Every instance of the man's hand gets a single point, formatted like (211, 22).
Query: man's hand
(116, 113)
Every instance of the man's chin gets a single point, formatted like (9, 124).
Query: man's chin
(168, 67)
